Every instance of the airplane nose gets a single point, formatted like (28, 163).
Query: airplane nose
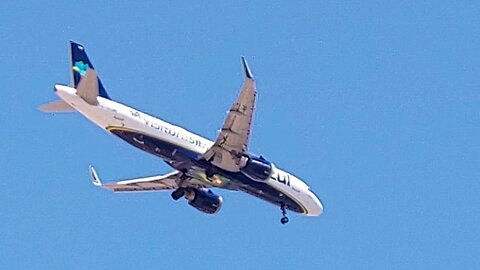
(317, 208)
(320, 207)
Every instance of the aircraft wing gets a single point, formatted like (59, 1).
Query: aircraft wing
(153, 183)
(232, 141)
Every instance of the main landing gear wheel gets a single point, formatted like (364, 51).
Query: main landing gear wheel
(284, 219)
(177, 194)
(209, 173)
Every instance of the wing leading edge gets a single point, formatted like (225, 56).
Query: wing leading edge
(232, 142)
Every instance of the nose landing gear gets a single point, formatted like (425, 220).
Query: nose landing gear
(284, 219)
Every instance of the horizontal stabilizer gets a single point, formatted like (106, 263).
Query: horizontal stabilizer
(88, 87)
(56, 106)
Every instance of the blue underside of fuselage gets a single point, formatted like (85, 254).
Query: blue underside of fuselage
(178, 157)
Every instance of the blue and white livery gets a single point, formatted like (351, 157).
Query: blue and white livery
(199, 164)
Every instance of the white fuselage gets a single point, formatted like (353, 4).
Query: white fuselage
(107, 114)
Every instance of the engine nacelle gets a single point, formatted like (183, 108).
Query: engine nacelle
(257, 168)
(204, 200)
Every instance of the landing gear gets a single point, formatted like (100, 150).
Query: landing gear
(209, 173)
(177, 194)
(284, 219)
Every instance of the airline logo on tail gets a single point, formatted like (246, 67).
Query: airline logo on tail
(81, 68)
(80, 65)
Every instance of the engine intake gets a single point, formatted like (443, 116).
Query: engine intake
(204, 200)
(257, 168)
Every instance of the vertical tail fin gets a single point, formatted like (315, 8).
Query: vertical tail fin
(80, 64)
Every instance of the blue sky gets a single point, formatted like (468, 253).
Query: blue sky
(374, 104)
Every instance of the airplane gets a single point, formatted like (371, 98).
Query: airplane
(199, 164)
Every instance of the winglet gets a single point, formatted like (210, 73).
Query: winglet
(95, 179)
(248, 72)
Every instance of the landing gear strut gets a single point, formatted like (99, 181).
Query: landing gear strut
(178, 193)
(284, 219)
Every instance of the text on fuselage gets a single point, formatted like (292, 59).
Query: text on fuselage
(169, 131)
(281, 178)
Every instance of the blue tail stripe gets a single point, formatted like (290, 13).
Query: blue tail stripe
(80, 65)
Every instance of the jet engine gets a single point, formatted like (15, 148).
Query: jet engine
(204, 200)
(256, 168)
